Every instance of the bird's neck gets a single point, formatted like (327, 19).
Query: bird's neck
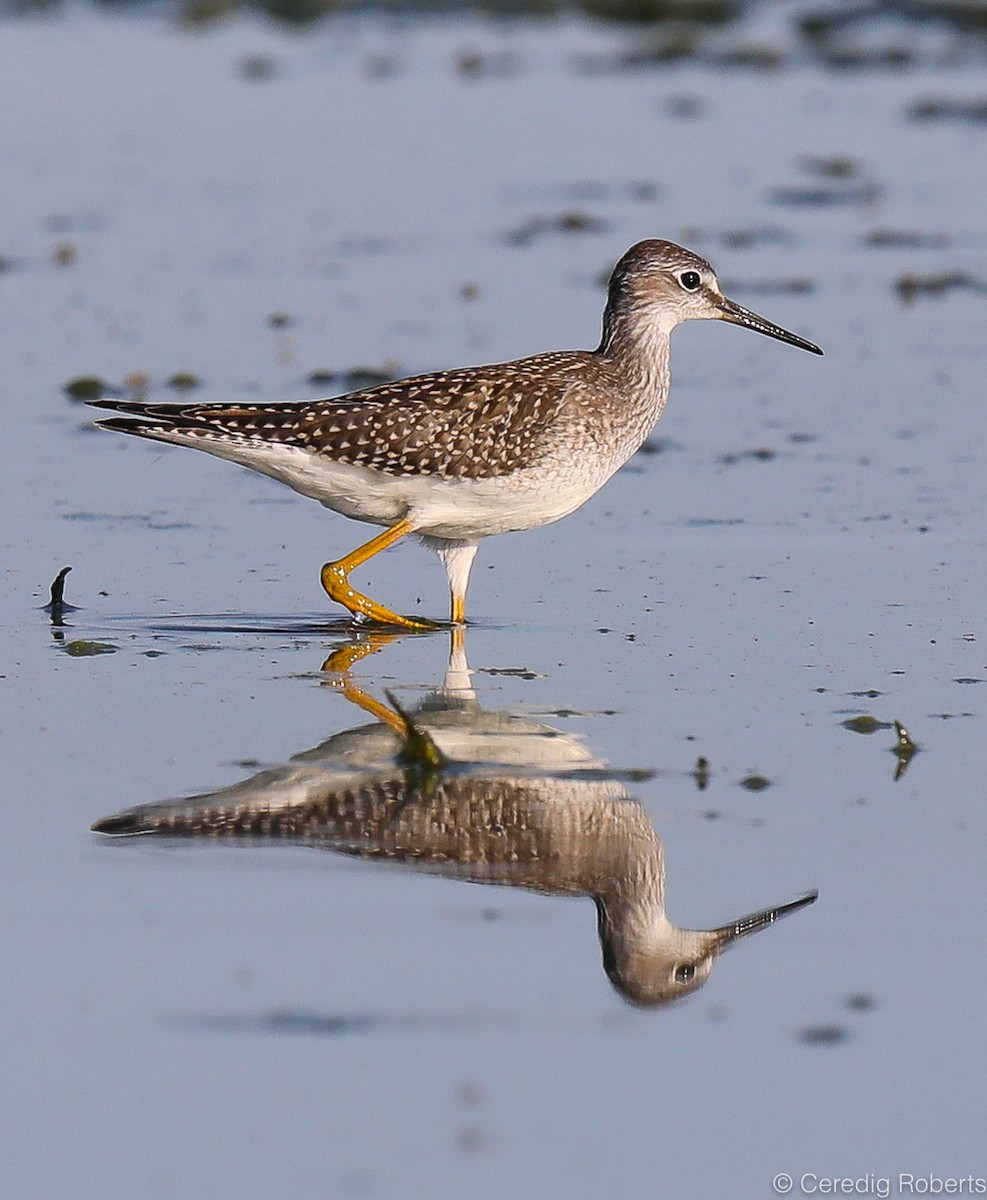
(637, 353)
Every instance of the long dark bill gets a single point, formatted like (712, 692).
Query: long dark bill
(736, 314)
(759, 920)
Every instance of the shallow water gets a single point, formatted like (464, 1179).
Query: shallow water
(802, 543)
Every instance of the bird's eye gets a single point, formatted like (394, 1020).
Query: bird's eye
(690, 280)
(684, 972)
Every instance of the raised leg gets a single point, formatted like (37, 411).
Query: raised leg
(335, 579)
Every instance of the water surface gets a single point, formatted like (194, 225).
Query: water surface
(801, 544)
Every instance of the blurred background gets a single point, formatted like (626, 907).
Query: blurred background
(213, 202)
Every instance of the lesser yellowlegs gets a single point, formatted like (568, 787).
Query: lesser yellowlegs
(524, 805)
(456, 456)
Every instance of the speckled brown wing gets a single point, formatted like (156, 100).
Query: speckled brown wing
(472, 423)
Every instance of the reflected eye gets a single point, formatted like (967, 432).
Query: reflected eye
(690, 280)
(685, 972)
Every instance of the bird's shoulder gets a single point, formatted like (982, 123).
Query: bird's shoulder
(520, 383)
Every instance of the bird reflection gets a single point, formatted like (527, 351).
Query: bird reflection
(483, 796)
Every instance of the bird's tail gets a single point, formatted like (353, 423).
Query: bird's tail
(189, 424)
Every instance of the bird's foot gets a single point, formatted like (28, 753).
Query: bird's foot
(336, 582)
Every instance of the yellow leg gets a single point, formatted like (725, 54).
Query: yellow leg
(335, 580)
(458, 610)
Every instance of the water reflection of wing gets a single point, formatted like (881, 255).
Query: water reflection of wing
(517, 802)
(512, 807)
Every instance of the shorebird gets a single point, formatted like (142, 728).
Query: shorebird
(459, 455)
(500, 799)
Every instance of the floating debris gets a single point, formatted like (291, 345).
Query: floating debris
(584, 191)
(864, 724)
(512, 672)
(685, 108)
(765, 235)
(368, 377)
(184, 381)
(700, 774)
(381, 66)
(909, 287)
(666, 45)
(796, 285)
(905, 743)
(660, 445)
(62, 223)
(137, 383)
(755, 782)
(291, 1021)
(286, 1020)
(830, 166)
(837, 181)
(939, 108)
(760, 454)
(699, 12)
(86, 649)
(751, 58)
(419, 750)
(845, 58)
(58, 587)
(860, 1002)
(823, 1035)
(57, 606)
(815, 196)
(355, 378)
(574, 221)
(85, 387)
(472, 63)
(256, 67)
(297, 12)
(906, 239)
(905, 749)
(64, 254)
(193, 13)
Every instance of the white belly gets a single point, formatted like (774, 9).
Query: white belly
(464, 509)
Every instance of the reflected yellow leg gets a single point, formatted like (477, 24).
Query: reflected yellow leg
(338, 666)
(335, 580)
(345, 657)
(457, 646)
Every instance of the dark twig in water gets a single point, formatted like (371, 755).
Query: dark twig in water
(421, 758)
(419, 749)
(56, 606)
(905, 749)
